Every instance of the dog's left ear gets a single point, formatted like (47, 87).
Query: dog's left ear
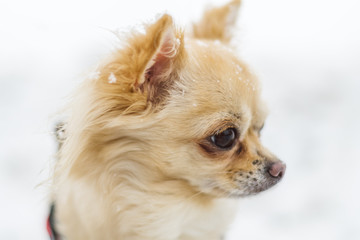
(216, 23)
(158, 55)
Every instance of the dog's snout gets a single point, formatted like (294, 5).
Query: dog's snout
(277, 170)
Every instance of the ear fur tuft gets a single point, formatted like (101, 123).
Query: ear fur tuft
(216, 23)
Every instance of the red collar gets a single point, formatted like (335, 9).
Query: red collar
(50, 224)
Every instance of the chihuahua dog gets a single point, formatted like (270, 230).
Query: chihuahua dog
(161, 143)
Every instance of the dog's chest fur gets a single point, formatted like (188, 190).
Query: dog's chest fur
(187, 219)
(214, 221)
(142, 216)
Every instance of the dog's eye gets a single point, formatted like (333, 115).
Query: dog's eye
(224, 139)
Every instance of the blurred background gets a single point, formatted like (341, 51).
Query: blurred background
(306, 53)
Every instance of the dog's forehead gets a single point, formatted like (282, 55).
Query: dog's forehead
(214, 88)
(217, 77)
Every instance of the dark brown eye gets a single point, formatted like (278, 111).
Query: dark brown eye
(224, 139)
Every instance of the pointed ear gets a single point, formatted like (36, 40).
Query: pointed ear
(156, 58)
(216, 23)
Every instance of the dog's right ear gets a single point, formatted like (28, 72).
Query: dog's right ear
(156, 57)
(216, 23)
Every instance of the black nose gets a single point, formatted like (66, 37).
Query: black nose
(277, 170)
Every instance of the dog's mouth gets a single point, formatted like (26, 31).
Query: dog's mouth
(248, 188)
(253, 187)
(241, 183)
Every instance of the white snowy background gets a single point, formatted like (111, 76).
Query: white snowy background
(306, 53)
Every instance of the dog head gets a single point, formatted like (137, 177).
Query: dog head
(176, 107)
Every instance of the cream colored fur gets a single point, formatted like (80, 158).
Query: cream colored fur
(132, 166)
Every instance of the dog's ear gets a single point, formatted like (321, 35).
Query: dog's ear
(157, 54)
(216, 23)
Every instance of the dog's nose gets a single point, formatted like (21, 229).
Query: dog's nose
(277, 170)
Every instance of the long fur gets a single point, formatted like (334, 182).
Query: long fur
(132, 166)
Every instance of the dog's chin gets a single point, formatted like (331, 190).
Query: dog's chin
(236, 190)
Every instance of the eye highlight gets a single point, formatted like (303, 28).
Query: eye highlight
(224, 139)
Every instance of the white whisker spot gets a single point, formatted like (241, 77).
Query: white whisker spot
(112, 78)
